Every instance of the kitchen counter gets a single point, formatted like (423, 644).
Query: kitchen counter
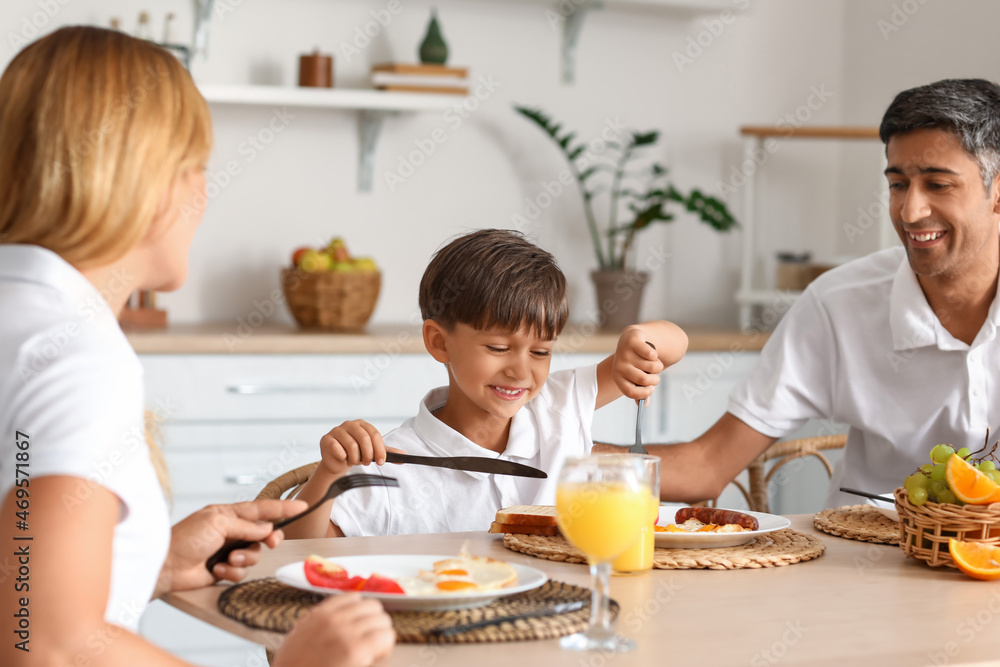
(243, 338)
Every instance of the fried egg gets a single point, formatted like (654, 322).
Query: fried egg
(462, 575)
(696, 526)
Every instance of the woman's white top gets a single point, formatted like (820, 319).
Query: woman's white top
(71, 383)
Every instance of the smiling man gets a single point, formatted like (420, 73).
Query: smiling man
(901, 345)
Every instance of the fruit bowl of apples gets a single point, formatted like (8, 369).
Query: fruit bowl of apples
(328, 289)
(953, 499)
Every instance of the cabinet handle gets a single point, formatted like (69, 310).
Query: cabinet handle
(354, 387)
(244, 480)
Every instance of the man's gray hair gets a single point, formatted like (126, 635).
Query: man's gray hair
(968, 108)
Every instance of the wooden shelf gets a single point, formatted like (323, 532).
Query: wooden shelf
(810, 132)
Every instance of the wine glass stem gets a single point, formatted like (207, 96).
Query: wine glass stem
(600, 612)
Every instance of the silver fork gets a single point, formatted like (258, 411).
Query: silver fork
(338, 487)
(637, 448)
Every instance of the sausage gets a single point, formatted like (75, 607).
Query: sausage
(717, 516)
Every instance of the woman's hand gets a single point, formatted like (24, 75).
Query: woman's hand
(194, 539)
(343, 631)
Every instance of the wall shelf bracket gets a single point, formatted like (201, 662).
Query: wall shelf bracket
(370, 125)
(572, 25)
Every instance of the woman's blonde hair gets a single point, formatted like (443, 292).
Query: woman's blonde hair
(95, 126)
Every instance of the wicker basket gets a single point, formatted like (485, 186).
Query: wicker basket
(331, 301)
(924, 530)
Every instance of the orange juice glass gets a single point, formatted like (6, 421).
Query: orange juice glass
(639, 556)
(602, 502)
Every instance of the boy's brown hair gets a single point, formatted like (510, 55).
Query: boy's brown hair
(495, 278)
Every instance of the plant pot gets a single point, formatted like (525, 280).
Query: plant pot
(619, 296)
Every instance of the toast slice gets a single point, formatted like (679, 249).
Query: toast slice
(523, 529)
(528, 515)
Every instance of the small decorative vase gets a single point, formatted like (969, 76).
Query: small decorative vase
(619, 296)
(433, 50)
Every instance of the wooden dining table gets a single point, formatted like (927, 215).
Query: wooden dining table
(857, 604)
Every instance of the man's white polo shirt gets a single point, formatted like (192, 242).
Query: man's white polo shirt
(863, 347)
(552, 426)
(70, 380)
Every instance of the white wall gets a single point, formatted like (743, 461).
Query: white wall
(301, 188)
(892, 45)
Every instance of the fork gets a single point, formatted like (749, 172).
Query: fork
(637, 448)
(338, 487)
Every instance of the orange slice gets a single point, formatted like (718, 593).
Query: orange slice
(978, 560)
(968, 484)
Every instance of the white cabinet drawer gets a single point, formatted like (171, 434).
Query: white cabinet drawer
(219, 387)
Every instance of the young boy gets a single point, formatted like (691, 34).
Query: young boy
(493, 304)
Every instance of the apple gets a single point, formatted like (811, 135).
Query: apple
(365, 264)
(315, 261)
(338, 250)
(297, 255)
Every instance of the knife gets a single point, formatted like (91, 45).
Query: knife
(470, 463)
(561, 608)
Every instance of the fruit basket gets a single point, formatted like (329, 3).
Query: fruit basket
(924, 530)
(331, 300)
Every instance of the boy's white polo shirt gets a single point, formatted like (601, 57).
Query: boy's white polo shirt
(71, 381)
(863, 347)
(552, 426)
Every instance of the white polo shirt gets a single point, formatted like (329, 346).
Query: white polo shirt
(554, 425)
(70, 380)
(863, 347)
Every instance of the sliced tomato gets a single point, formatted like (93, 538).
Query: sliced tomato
(323, 573)
(377, 584)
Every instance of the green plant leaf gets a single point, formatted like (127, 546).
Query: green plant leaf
(645, 139)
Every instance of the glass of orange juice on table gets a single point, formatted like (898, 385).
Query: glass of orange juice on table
(639, 556)
(602, 502)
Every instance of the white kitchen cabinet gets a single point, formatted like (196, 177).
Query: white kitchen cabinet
(231, 423)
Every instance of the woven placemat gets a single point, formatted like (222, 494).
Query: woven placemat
(858, 522)
(782, 547)
(268, 604)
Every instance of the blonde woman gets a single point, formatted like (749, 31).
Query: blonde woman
(103, 144)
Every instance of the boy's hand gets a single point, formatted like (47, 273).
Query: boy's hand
(352, 443)
(636, 365)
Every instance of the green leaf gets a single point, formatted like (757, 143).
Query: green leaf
(645, 139)
(564, 142)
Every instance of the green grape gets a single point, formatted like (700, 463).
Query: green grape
(947, 496)
(918, 497)
(964, 452)
(938, 474)
(937, 487)
(985, 466)
(941, 453)
(927, 467)
(994, 475)
(915, 481)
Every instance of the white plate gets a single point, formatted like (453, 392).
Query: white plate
(887, 508)
(766, 523)
(395, 566)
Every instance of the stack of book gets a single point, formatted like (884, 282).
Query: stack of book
(421, 78)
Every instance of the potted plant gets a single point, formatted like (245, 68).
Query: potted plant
(637, 198)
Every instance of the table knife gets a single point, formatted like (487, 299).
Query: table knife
(552, 610)
(470, 463)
